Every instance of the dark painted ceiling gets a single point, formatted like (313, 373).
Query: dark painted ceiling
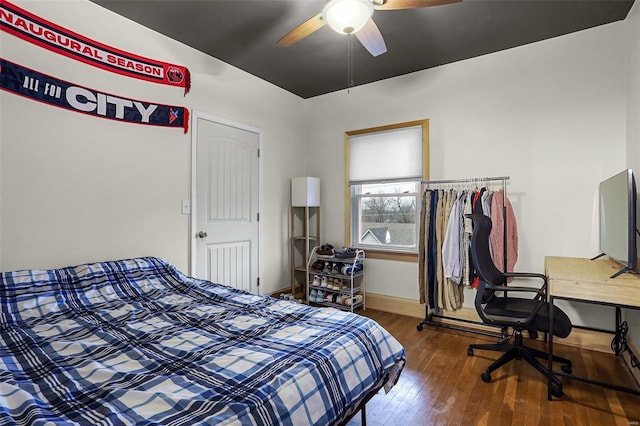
(244, 33)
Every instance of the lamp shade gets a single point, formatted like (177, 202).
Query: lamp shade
(305, 191)
(347, 16)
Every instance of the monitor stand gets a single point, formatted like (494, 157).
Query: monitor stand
(621, 271)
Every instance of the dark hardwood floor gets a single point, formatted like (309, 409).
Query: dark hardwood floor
(441, 385)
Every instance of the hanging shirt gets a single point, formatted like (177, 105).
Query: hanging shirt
(486, 209)
(451, 244)
(486, 203)
(423, 246)
(497, 232)
(432, 252)
(466, 237)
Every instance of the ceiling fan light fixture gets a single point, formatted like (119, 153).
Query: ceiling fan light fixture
(347, 16)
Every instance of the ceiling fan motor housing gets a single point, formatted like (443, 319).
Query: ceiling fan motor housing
(347, 16)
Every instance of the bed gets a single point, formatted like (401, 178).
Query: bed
(136, 341)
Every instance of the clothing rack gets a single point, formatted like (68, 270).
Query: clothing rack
(429, 316)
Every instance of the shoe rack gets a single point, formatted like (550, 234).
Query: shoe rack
(334, 281)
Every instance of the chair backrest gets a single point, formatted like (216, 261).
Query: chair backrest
(480, 252)
(486, 269)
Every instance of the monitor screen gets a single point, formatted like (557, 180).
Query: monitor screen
(618, 219)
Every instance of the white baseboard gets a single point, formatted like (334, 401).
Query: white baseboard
(394, 305)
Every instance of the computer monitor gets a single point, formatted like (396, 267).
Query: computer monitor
(618, 235)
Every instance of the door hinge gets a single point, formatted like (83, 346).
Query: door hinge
(258, 153)
(258, 217)
(258, 281)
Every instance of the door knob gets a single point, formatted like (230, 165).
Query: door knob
(202, 234)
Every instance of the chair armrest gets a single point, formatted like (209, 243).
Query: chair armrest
(530, 275)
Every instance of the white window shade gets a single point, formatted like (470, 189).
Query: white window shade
(389, 155)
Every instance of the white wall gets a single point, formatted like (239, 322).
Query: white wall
(633, 124)
(550, 115)
(77, 188)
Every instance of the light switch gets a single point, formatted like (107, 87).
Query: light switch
(186, 207)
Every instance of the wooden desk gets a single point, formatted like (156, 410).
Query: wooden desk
(588, 281)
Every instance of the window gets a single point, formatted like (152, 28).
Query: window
(386, 214)
(385, 167)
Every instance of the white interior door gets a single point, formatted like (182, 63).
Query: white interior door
(225, 223)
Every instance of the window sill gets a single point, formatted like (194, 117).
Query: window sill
(390, 255)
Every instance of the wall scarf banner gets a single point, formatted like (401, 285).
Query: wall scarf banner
(44, 88)
(43, 33)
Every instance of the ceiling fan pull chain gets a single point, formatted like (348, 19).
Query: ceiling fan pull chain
(349, 62)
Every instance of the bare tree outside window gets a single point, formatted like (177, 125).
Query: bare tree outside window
(405, 208)
(375, 209)
(400, 209)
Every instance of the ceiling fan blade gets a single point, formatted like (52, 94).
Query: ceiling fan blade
(371, 38)
(409, 4)
(301, 31)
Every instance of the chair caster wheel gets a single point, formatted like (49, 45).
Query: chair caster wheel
(557, 391)
(566, 368)
(419, 327)
(470, 352)
(486, 377)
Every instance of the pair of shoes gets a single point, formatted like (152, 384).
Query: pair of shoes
(346, 253)
(341, 298)
(332, 268)
(326, 250)
(350, 301)
(316, 281)
(346, 300)
(316, 296)
(324, 282)
(334, 284)
(336, 298)
(318, 265)
(287, 296)
(349, 269)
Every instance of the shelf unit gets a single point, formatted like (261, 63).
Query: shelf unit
(305, 234)
(352, 279)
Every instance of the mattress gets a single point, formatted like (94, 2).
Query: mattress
(136, 341)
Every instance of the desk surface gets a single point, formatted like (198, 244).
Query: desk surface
(585, 279)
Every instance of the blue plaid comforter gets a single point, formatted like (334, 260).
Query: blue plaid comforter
(137, 342)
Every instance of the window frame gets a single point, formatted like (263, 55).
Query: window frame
(350, 198)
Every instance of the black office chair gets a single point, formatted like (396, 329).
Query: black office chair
(497, 304)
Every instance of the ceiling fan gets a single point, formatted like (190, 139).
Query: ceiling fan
(355, 17)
